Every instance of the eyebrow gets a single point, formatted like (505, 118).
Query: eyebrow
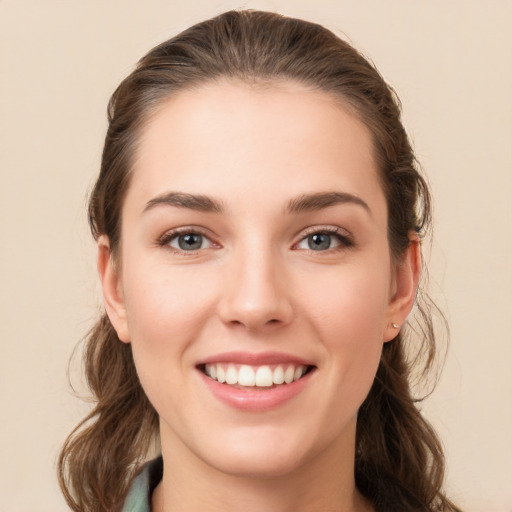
(320, 200)
(300, 204)
(200, 203)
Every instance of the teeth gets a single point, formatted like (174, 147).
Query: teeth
(288, 374)
(264, 377)
(249, 376)
(246, 376)
(298, 373)
(278, 375)
(231, 375)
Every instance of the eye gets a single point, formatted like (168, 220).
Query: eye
(186, 241)
(324, 240)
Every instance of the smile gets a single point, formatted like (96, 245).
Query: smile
(256, 382)
(247, 376)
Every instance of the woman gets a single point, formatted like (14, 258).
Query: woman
(258, 217)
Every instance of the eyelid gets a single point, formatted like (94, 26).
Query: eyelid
(336, 230)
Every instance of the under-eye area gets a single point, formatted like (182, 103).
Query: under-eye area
(247, 376)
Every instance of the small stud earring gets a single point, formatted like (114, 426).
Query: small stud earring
(396, 326)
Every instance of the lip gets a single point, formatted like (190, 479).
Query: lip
(255, 359)
(249, 399)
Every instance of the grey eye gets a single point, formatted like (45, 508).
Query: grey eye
(188, 242)
(322, 241)
(319, 241)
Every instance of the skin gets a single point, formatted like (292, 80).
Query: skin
(255, 285)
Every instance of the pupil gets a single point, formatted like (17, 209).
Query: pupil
(190, 242)
(319, 241)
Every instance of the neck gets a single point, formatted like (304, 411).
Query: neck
(324, 483)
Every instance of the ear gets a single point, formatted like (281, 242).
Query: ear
(112, 289)
(406, 275)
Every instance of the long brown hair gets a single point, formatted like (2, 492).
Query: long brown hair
(399, 460)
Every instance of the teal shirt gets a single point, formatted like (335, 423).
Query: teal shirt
(138, 498)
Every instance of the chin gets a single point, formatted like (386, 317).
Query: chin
(262, 467)
(260, 456)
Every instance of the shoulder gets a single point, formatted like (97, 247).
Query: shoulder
(138, 498)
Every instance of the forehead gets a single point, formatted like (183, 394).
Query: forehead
(228, 139)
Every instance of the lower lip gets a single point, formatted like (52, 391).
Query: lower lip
(258, 399)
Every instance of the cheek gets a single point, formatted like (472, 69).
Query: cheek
(350, 315)
(162, 305)
(350, 299)
(166, 312)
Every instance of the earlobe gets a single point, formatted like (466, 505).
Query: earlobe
(406, 278)
(112, 289)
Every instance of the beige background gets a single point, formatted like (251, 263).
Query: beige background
(451, 63)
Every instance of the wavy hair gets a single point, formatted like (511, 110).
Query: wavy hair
(399, 461)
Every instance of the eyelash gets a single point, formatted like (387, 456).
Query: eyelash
(345, 241)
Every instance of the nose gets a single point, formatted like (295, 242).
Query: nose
(255, 292)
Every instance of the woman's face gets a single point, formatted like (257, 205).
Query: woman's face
(254, 248)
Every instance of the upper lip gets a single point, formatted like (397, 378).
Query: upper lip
(255, 359)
